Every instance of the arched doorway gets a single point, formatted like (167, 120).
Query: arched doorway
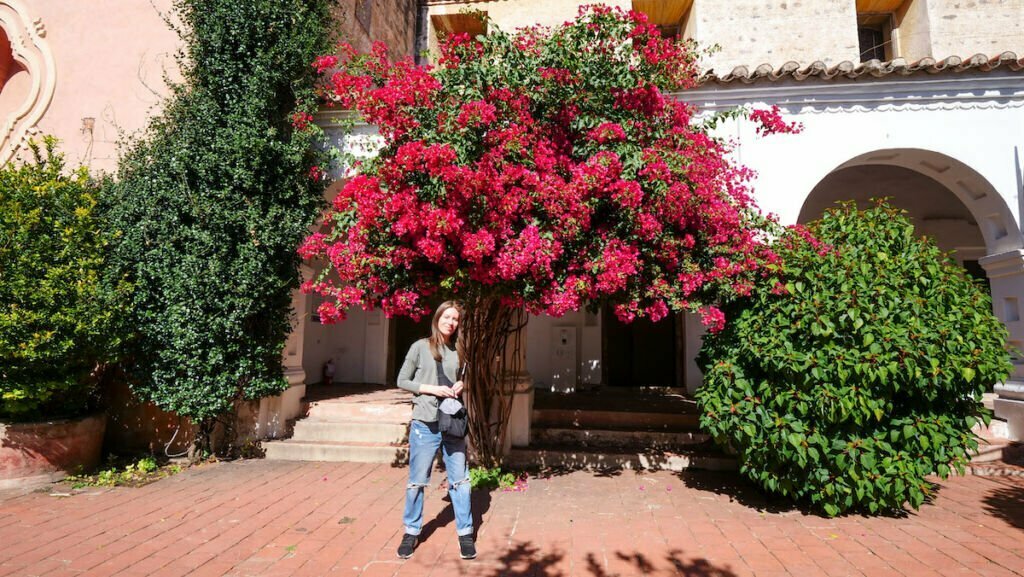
(948, 201)
(935, 211)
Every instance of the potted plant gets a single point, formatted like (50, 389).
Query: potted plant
(56, 318)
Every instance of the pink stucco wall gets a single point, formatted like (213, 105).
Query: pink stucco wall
(110, 59)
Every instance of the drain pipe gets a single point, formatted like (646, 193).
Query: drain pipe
(420, 42)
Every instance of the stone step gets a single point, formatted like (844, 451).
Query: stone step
(575, 458)
(621, 420)
(315, 429)
(635, 438)
(990, 450)
(338, 410)
(294, 450)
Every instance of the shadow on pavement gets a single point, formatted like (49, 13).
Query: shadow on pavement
(640, 564)
(738, 489)
(1006, 503)
(526, 559)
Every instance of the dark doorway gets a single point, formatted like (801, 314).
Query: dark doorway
(405, 332)
(641, 353)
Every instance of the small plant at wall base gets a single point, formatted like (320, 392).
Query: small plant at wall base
(211, 202)
(542, 171)
(859, 374)
(56, 318)
(121, 472)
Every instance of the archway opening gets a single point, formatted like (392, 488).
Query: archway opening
(14, 78)
(934, 209)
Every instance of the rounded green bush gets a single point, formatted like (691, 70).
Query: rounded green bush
(55, 314)
(859, 374)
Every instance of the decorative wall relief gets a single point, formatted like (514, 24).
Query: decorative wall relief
(28, 76)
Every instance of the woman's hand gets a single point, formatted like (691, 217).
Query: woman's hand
(438, 391)
(457, 389)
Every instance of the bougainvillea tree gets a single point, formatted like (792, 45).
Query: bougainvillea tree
(542, 171)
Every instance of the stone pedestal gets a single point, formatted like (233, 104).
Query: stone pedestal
(268, 418)
(275, 412)
(1009, 406)
(1006, 275)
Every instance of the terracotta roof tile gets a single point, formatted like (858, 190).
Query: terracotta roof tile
(875, 68)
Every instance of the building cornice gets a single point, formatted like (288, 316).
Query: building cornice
(995, 89)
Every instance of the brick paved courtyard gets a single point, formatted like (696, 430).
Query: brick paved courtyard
(283, 518)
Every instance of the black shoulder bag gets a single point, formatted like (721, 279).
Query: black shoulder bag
(452, 425)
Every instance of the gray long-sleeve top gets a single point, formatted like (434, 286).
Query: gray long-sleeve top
(420, 368)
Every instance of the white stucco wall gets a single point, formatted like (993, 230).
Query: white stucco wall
(976, 119)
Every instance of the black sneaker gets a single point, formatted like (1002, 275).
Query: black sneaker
(467, 550)
(408, 546)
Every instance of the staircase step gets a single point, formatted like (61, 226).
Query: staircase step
(616, 438)
(580, 419)
(338, 410)
(293, 450)
(990, 450)
(576, 458)
(314, 429)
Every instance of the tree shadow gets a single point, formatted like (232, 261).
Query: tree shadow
(677, 564)
(526, 559)
(1006, 503)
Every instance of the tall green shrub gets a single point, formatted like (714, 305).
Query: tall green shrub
(213, 200)
(55, 318)
(859, 376)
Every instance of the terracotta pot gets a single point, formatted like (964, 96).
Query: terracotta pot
(42, 452)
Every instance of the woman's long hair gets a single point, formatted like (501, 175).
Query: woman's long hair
(436, 339)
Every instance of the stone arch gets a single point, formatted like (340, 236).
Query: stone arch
(28, 55)
(1002, 258)
(997, 223)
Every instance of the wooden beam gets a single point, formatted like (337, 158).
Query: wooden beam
(472, 24)
(663, 12)
(878, 5)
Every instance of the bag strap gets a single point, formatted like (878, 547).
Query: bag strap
(442, 379)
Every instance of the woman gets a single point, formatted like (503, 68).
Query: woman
(419, 375)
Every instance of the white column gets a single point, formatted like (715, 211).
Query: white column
(1006, 275)
(521, 415)
(693, 338)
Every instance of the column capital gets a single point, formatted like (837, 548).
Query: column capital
(1003, 264)
(1010, 390)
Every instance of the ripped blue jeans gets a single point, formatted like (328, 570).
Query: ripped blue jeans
(424, 439)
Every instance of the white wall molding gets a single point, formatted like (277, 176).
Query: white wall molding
(31, 51)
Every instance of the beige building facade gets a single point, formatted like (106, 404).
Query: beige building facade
(754, 32)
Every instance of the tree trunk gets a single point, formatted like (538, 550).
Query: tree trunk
(493, 337)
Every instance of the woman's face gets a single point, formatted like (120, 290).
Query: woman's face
(448, 322)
